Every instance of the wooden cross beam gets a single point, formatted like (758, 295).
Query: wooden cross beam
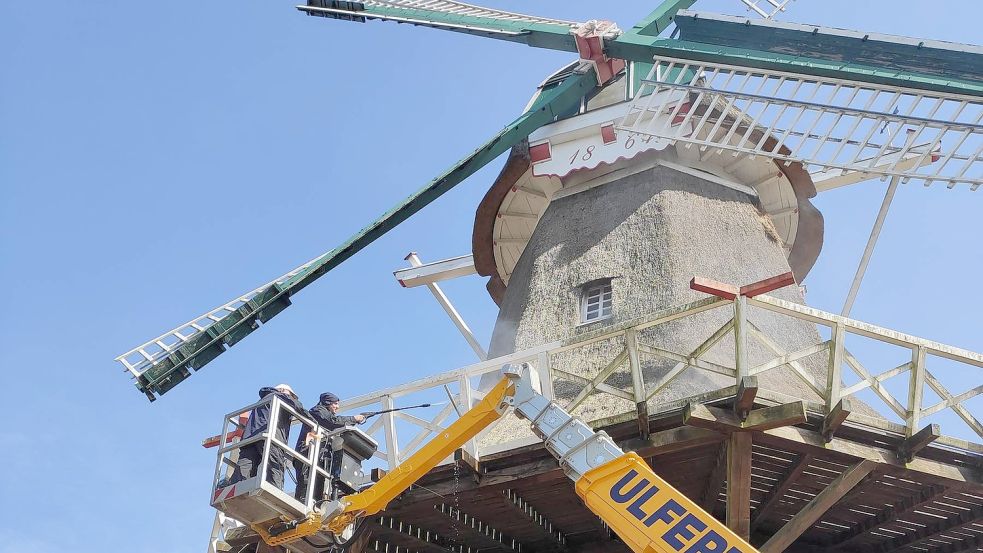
(788, 479)
(722, 420)
(836, 416)
(747, 390)
(887, 515)
(818, 506)
(465, 460)
(917, 441)
(711, 492)
(731, 292)
(970, 516)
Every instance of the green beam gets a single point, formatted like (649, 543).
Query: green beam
(540, 35)
(660, 18)
(556, 100)
(636, 47)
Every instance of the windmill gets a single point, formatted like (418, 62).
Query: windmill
(844, 108)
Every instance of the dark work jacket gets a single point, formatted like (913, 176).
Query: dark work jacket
(326, 419)
(259, 418)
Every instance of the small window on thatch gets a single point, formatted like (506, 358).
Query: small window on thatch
(596, 302)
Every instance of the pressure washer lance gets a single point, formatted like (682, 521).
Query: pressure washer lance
(369, 414)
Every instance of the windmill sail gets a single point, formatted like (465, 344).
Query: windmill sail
(928, 129)
(163, 362)
(447, 15)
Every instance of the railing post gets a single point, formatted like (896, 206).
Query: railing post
(740, 337)
(545, 375)
(916, 388)
(637, 382)
(834, 376)
(392, 445)
(268, 442)
(464, 383)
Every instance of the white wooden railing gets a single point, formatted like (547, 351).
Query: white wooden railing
(401, 433)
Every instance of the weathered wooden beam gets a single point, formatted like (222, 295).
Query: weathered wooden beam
(969, 516)
(477, 531)
(803, 440)
(668, 441)
(887, 515)
(768, 504)
(961, 546)
(718, 475)
(818, 506)
(767, 285)
(778, 416)
(722, 420)
(711, 418)
(917, 441)
(739, 483)
(513, 499)
(747, 390)
(467, 461)
(836, 416)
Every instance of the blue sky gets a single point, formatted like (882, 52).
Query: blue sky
(157, 159)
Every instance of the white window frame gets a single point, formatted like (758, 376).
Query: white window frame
(603, 291)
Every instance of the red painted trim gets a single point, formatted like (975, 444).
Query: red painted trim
(214, 441)
(540, 152)
(683, 110)
(767, 285)
(608, 135)
(719, 289)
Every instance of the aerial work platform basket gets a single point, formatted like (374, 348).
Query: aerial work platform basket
(286, 486)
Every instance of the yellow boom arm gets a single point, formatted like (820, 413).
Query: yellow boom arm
(375, 498)
(642, 508)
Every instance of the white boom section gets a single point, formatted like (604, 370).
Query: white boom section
(436, 271)
(826, 124)
(145, 355)
(770, 7)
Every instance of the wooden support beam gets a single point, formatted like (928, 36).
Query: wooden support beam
(513, 499)
(835, 418)
(711, 492)
(962, 546)
(739, 483)
(638, 383)
(823, 501)
(710, 418)
(768, 504)
(710, 286)
(767, 285)
(747, 390)
(786, 414)
(887, 515)
(722, 420)
(803, 440)
(917, 441)
(466, 461)
(930, 531)
(668, 441)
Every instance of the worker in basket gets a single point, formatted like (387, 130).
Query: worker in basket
(325, 413)
(251, 455)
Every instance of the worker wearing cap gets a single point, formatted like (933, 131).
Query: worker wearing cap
(325, 413)
(250, 456)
